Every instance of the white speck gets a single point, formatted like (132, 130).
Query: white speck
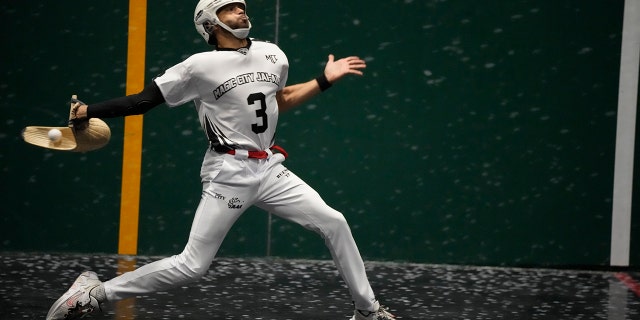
(489, 65)
(383, 45)
(187, 132)
(585, 50)
(435, 81)
(356, 22)
(427, 73)
(312, 107)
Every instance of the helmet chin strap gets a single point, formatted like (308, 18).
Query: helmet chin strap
(240, 33)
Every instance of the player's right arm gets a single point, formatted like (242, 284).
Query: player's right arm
(138, 103)
(172, 87)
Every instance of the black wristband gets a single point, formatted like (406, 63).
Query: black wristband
(323, 82)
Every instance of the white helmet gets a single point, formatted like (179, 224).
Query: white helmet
(206, 11)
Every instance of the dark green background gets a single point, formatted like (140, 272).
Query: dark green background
(482, 132)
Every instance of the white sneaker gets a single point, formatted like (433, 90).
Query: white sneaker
(80, 300)
(380, 314)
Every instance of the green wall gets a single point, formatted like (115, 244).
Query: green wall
(481, 133)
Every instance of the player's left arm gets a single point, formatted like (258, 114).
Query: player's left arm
(293, 95)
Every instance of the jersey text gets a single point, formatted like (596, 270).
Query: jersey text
(244, 79)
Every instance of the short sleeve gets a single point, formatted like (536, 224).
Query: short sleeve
(177, 85)
(285, 72)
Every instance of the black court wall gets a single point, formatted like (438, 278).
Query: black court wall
(482, 132)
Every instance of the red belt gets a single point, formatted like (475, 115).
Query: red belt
(262, 154)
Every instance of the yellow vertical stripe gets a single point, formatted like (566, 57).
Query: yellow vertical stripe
(132, 151)
(125, 309)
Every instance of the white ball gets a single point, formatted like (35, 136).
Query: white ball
(55, 135)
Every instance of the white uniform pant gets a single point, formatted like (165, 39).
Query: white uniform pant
(230, 186)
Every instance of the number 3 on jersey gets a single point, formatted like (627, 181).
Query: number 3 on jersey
(260, 113)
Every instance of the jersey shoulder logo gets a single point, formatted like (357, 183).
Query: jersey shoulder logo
(272, 58)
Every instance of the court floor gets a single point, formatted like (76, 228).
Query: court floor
(275, 289)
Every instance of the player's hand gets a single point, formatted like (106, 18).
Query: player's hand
(78, 115)
(334, 70)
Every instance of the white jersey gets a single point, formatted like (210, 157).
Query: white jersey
(234, 92)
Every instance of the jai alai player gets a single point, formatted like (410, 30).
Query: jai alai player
(238, 89)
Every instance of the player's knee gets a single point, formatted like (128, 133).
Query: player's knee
(197, 271)
(193, 267)
(193, 270)
(336, 224)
